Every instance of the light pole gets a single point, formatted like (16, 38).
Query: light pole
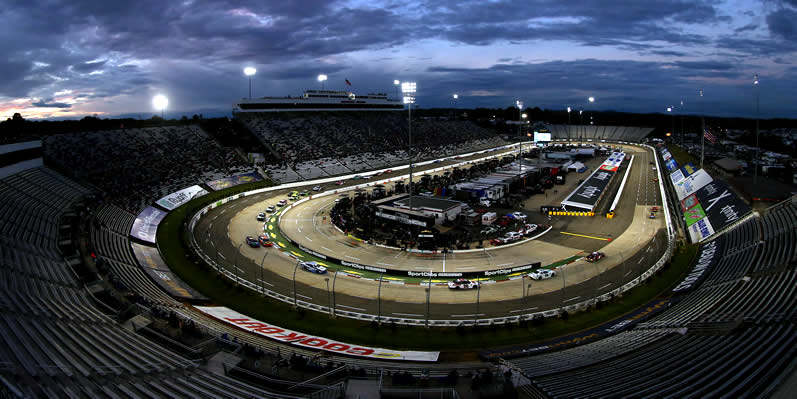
(379, 300)
(160, 102)
(568, 122)
(235, 264)
(334, 303)
(562, 269)
(329, 299)
(396, 83)
(478, 291)
(520, 133)
(455, 97)
(682, 123)
(322, 78)
(408, 89)
(428, 294)
(250, 71)
(581, 122)
(262, 291)
(591, 100)
(702, 129)
(670, 109)
(755, 165)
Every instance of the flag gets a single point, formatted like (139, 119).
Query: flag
(347, 82)
(710, 137)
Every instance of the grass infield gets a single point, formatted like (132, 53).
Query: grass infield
(455, 343)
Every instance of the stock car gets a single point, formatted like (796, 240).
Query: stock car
(340, 183)
(313, 267)
(317, 188)
(252, 242)
(282, 203)
(517, 215)
(595, 256)
(513, 236)
(654, 209)
(271, 209)
(463, 284)
(528, 229)
(542, 274)
(500, 241)
(265, 241)
(261, 217)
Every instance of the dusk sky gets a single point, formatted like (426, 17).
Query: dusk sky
(68, 59)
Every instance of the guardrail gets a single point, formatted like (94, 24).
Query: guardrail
(554, 312)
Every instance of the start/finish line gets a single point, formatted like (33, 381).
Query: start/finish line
(311, 341)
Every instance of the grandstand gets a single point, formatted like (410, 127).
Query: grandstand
(598, 132)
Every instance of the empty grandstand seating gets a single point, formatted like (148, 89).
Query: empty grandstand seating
(599, 132)
(779, 235)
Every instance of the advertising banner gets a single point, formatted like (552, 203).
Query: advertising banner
(233, 180)
(688, 169)
(312, 342)
(666, 156)
(691, 184)
(700, 230)
(688, 203)
(710, 254)
(587, 195)
(671, 165)
(538, 137)
(677, 176)
(150, 259)
(178, 198)
(694, 214)
(146, 224)
(722, 206)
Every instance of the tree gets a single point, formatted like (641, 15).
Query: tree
(18, 118)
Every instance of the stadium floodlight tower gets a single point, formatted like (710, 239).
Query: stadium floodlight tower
(520, 132)
(160, 102)
(670, 109)
(250, 71)
(408, 90)
(396, 83)
(755, 165)
(322, 78)
(591, 100)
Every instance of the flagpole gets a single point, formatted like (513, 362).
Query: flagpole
(702, 130)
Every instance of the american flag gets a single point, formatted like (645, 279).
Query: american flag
(710, 137)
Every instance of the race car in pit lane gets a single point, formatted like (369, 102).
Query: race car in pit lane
(463, 284)
(595, 256)
(542, 274)
(313, 267)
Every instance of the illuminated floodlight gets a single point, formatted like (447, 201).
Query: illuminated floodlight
(591, 99)
(519, 104)
(581, 111)
(456, 96)
(669, 109)
(396, 82)
(249, 71)
(160, 102)
(524, 116)
(755, 79)
(322, 78)
(408, 89)
(568, 109)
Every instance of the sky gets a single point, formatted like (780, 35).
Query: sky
(68, 59)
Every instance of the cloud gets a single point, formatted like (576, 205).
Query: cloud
(89, 66)
(46, 104)
(783, 24)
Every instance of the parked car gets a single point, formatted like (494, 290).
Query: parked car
(528, 229)
(499, 241)
(252, 242)
(595, 256)
(489, 230)
(503, 221)
(313, 267)
(517, 215)
(513, 236)
(463, 284)
(542, 274)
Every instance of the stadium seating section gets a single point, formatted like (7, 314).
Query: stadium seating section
(598, 132)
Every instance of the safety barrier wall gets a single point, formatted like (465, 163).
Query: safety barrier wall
(553, 312)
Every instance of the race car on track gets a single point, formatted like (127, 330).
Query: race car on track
(261, 217)
(542, 274)
(463, 284)
(654, 209)
(317, 188)
(281, 203)
(314, 267)
(656, 179)
(340, 183)
(271, 209)
(595, 256)
(652, 216)
(264, 241)
(252, 242)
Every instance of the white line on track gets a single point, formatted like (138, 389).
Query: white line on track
(351, 307)
(351, 257)
(326, 248)
(308, 238)
(600, 288)
(304, 296)
(384, 264)
(522, 310)
(299, 229)
(465, 268)
(408, 314)
(506, 264)
(467, 315)
(424, 268)
(414, 303)
(573, 298)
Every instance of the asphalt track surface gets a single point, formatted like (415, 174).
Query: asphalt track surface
(636, 243)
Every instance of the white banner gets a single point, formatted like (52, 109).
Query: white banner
(694, 182)
(178, 198)
(310, 341)
(677, 176)
(700, 230)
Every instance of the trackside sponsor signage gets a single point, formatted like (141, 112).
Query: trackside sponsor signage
(312, 342)
(671, 165)
(234, 180)
(700, 230)
(178, 198)
(146, 224)
(691, 184)
(689, 202)
(722, 206)
(150, 259)
(589, 192)
(694, 214)
(709, 255)
(677, 176)
(311, 252)
(363, 267)
(688, 169)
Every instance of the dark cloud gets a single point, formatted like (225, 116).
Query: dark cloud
(706, 65)
(49, 104)
(89, 66)
(746, 28)
(669, 53)
(783, 24)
